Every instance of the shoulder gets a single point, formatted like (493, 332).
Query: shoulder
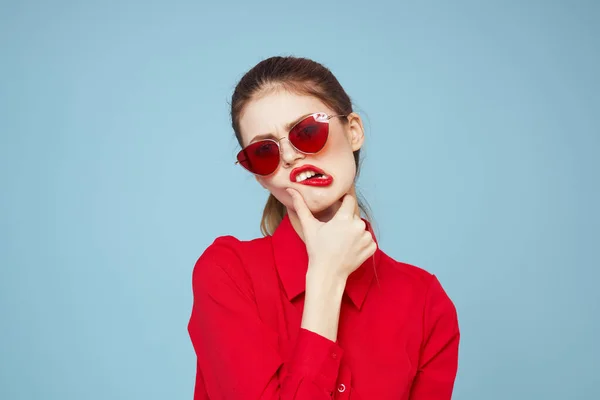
(404, 273)
(226, 258)
(411, 280)
(229, 249)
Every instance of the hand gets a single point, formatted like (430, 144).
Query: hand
(339, 246)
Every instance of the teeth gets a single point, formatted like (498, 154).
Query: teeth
(305, 175)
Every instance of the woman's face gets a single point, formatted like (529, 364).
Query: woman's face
(270, 113)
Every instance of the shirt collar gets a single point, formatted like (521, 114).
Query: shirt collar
(291, 260)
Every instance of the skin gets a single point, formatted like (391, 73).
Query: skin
(270, 113)
(326, 218)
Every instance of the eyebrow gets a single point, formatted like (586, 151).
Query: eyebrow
(288, 126)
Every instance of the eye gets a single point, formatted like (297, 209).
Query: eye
(265, 149)
(307, 131)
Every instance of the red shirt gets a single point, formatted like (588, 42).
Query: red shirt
(397, 338)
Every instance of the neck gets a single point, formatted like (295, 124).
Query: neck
(324, 216)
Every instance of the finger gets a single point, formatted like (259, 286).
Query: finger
(348, 207)
(365, 241)
(362, 225)
(367, 252)
(367, 237)
(359, 227)
(304, 214)
(371, 249)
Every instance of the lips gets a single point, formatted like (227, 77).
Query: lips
(324, 180)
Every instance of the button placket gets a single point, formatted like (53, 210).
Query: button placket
(344, 383)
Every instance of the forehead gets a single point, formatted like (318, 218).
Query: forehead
(271, 112)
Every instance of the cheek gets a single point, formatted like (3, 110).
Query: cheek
(340, 161)
(339, 152)
(276, 185)
(347, 170)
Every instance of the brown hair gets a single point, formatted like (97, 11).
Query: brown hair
(298, 75)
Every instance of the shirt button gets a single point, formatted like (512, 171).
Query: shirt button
(334, 355)
(341, 388)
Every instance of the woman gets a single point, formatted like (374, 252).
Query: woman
(314, 309)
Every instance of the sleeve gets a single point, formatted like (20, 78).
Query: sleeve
(237, 355)
(438, 361)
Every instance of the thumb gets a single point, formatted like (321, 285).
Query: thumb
(348, 207)
(300, 207)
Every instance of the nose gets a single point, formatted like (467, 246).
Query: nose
(289, 155)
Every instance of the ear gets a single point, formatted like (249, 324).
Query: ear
(355, 131)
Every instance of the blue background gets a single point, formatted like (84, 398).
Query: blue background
(116, 167)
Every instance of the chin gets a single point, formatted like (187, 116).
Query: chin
(319, 208)
(325, 205)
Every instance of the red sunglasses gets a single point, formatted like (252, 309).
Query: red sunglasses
(308, 136)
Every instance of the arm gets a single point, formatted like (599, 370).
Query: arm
(237, 353)
(322, 302)
(438, 361)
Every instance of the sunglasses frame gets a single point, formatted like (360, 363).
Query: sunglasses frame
(318, 116)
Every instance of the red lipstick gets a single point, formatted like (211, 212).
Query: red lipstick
(320, 179)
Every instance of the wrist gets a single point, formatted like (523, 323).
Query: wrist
(322, 302)
(326, 281)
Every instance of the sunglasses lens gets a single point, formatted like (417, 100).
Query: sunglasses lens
(261, 158)
(309, 135)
